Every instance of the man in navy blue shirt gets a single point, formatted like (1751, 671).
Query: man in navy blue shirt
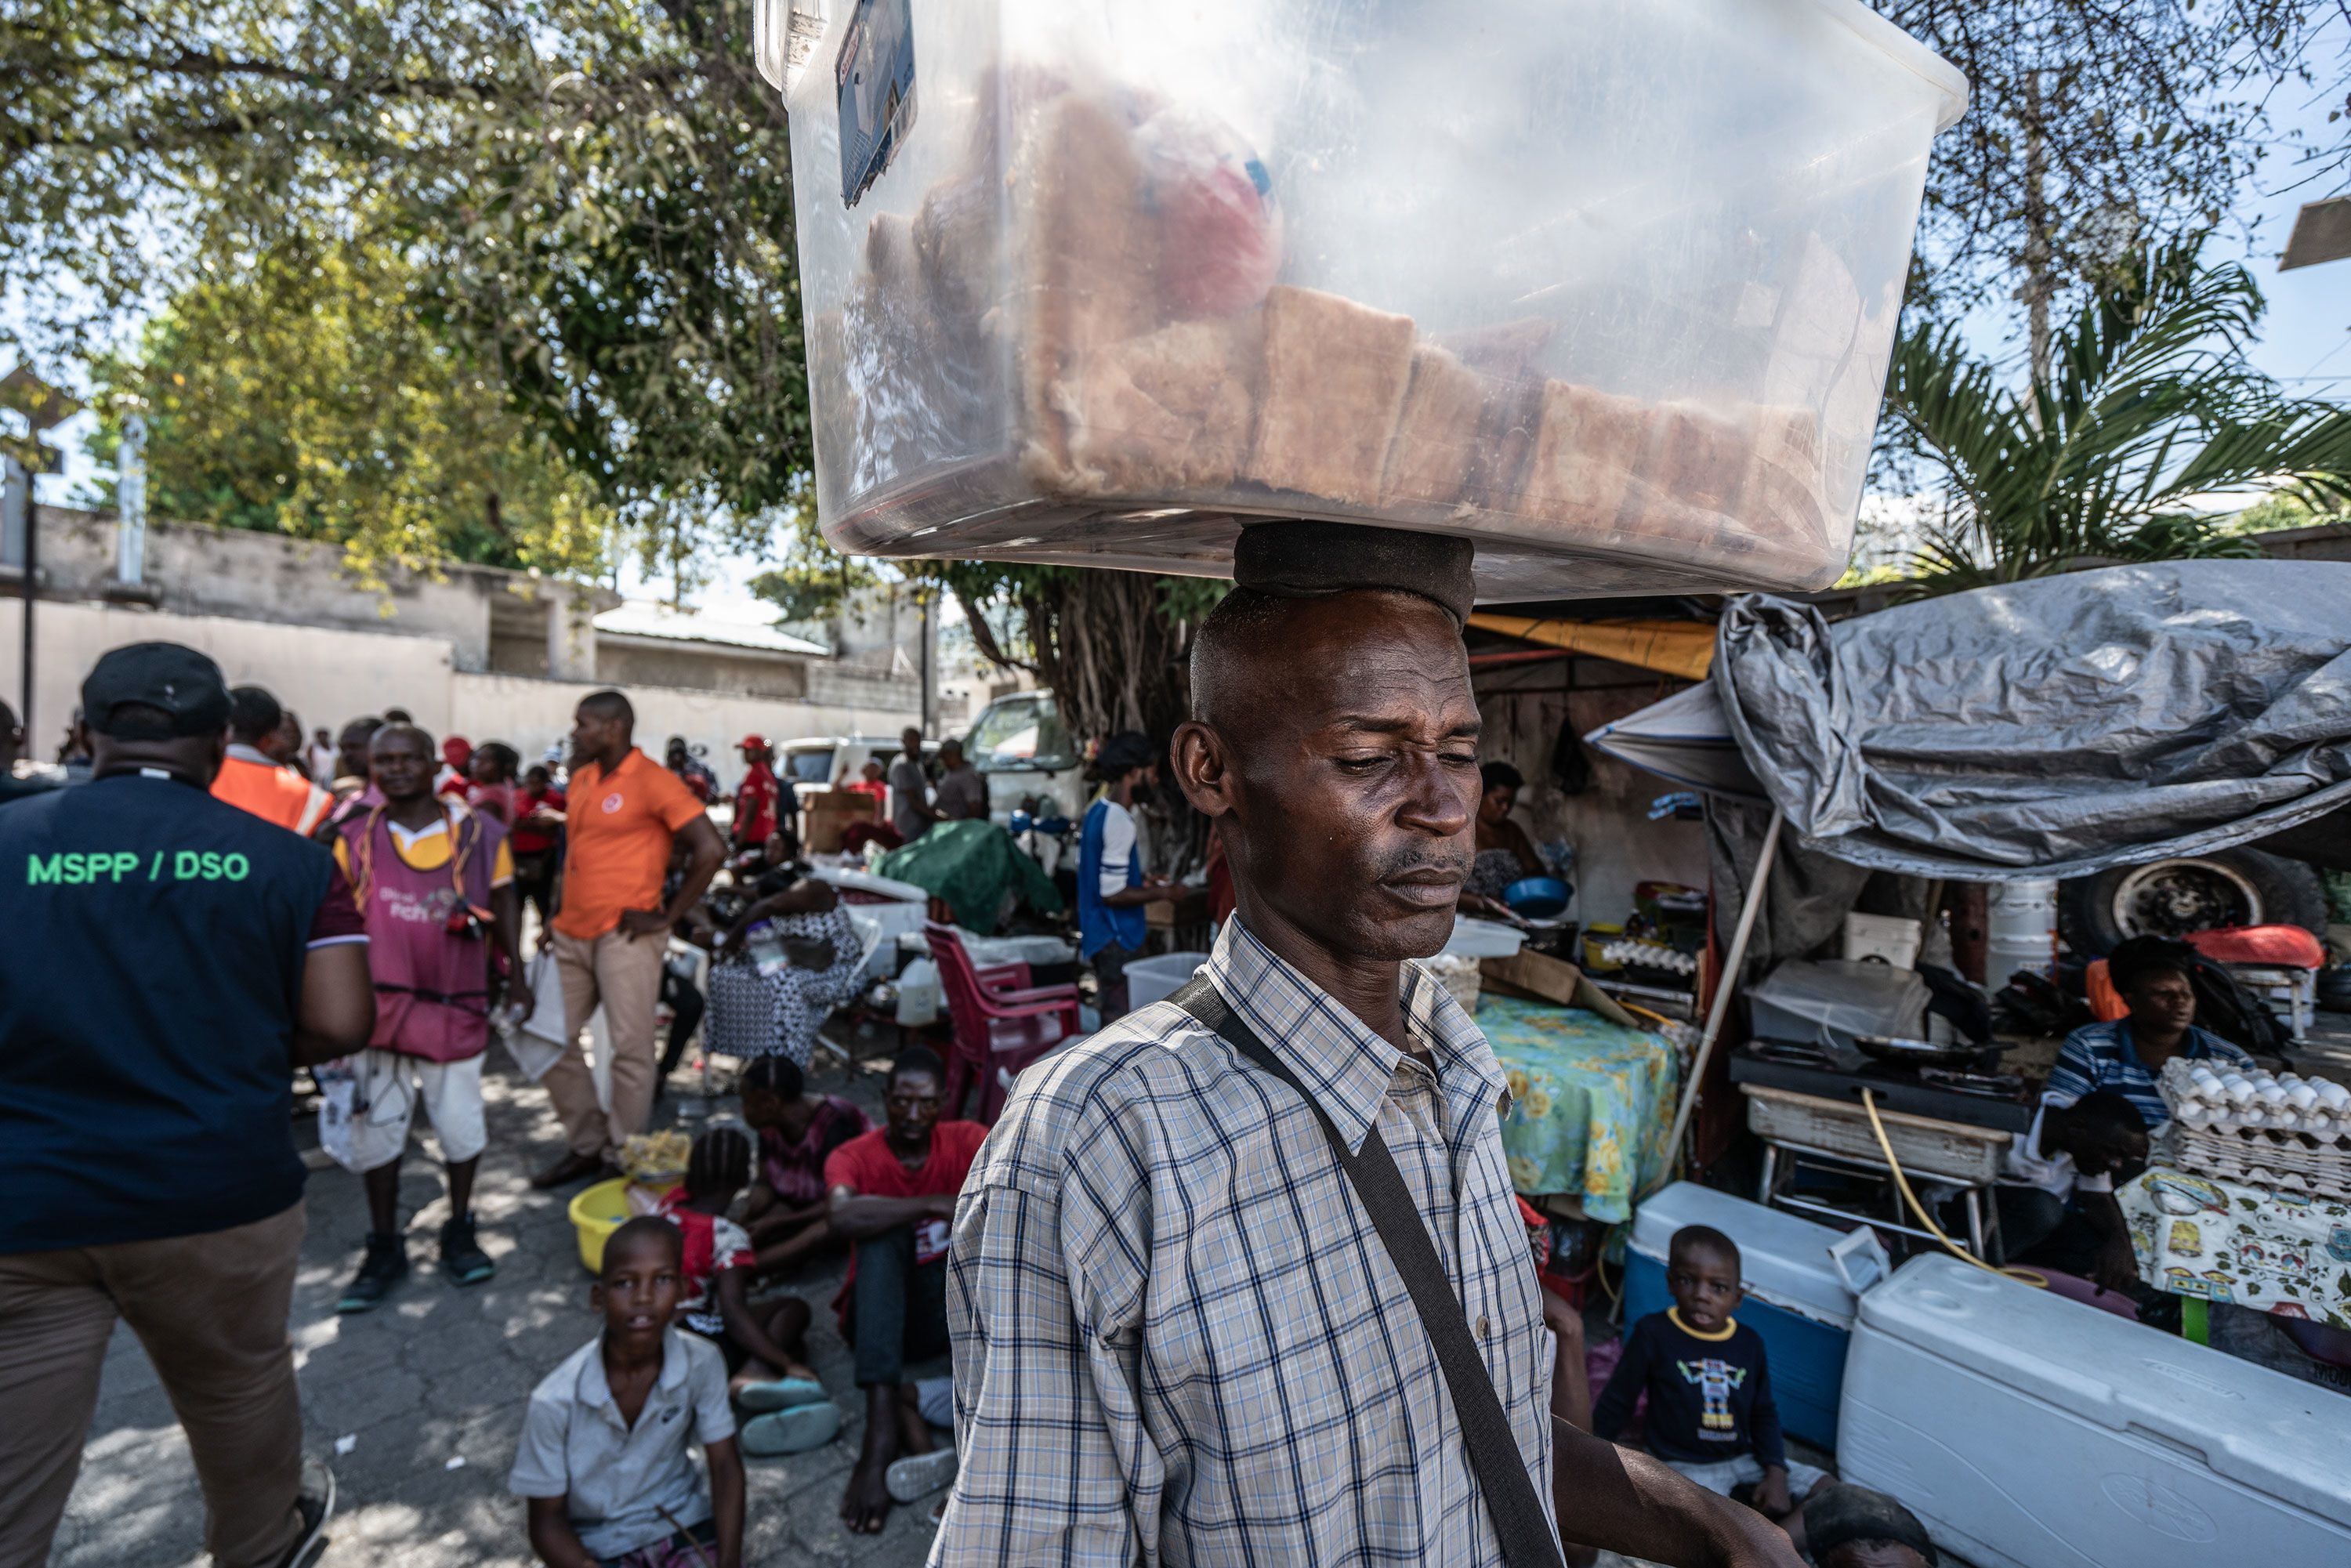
(170, 960)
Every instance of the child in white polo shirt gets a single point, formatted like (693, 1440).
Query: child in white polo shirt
(604, 1460)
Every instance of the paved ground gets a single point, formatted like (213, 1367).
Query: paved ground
(432, 1386)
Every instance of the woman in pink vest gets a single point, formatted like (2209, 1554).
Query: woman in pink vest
(434, 880)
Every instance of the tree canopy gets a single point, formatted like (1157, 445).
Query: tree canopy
(300, 392)
(591, 203)
(594, 196)
(2149, 413)
(2096, 129)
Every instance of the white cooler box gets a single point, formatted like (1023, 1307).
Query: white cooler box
(2029, 1431)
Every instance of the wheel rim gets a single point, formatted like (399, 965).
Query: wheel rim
(2172, 898)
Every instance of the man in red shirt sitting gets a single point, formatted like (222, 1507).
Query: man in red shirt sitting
(893, 1197)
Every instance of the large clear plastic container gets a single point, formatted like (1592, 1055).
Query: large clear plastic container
(1607, 285)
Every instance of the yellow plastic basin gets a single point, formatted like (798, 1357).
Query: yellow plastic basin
(599, 1211)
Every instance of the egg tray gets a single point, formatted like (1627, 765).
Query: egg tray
(2271, 1157)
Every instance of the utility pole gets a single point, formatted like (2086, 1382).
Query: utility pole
(922, 597)
(130, 502)
(17, 528)
(42, 407)
(2038, 284)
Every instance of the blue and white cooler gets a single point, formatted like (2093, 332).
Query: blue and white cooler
(1802, 1282)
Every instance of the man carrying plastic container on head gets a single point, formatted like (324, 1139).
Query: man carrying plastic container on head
(1241, 1277)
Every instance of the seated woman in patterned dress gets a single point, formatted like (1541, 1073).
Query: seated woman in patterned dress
(822, 956)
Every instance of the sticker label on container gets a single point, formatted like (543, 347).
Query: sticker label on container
(873, 82)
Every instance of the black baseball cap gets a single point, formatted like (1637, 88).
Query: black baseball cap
(177, 681)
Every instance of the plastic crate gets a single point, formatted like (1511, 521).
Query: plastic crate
(1607, 285)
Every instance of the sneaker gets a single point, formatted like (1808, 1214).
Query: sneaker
(385, 1265)
(461, 1257)
(793, 1431)
(920, 1475)
(317, 1505)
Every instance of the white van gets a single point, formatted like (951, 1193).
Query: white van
(1027, 755)
(817, 763)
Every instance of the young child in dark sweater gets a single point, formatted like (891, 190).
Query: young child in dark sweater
(1711, 1412)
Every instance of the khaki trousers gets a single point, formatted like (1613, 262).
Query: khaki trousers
(211, 1309)
(623, 975)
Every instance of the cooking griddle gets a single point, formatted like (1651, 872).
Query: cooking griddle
(2000, 1101)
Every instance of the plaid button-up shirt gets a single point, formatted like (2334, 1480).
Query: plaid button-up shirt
(1178, 1338)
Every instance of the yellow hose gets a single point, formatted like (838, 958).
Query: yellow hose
(1902, 1185)
(1638, 1011)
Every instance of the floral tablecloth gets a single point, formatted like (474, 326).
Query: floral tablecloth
(2248, 1246)
(1592, 1103)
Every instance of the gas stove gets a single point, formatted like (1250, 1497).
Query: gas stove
(2000, 1101)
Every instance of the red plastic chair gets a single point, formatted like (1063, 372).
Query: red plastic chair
(1000, 1021)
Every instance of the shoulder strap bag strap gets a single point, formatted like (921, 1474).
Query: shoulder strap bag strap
(1494, 1456)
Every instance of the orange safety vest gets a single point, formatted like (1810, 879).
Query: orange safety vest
(274, 794)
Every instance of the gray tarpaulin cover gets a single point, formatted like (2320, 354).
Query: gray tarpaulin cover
(2055, 727)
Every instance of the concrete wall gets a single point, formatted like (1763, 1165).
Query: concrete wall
(833, 684)
(531, 715)
(1616, 844)
(328, 676)
(630, 661)
(237, 572)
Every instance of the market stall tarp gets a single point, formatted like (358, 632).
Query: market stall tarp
(977, 868)
(2056, 726)
(1591, 1102)
(1683, 648)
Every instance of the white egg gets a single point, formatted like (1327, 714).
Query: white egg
(2240, 1092)
(2302, 1095)
(2334, 1094)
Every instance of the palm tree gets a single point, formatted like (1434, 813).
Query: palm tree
(2149, 405)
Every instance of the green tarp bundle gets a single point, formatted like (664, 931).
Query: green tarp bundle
(972, 865)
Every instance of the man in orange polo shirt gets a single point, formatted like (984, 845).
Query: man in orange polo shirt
(252, 779)
(610, 929)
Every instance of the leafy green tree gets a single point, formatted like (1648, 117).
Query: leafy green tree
(595, 195)
(2150, 411)
(303, 393)
(2096, 129)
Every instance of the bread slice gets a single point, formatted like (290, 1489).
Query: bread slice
(1335, 378)
(1700, 456)
(1172, 411)
(1784, 500)
(1084, 252)
(1437, 433)
(1585, 455)
(955, 240)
